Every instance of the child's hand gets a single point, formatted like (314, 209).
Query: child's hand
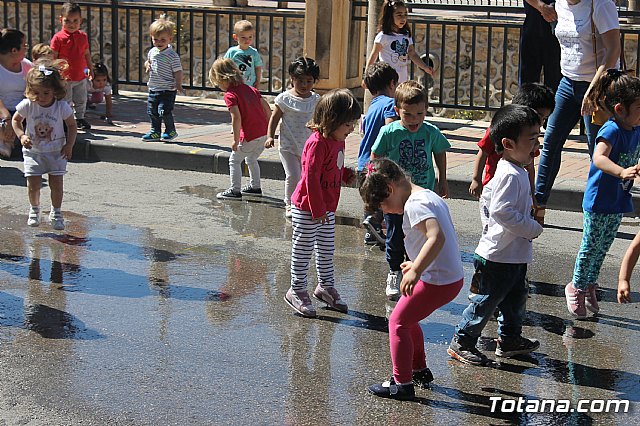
(67, 151)
(234, 146)
(624, 292)
(25, 141)
(269, 143)
(629, 172)
(443, 188)
(147, 67)
(409, 278)
(349, 176)
(322, 219)
(475, 189)
(180, 90)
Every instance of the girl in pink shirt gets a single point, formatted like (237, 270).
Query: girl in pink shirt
(315, 199)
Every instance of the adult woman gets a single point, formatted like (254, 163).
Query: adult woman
(13, 69)
(589, 36)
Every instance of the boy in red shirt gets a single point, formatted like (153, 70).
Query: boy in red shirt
(72, 45)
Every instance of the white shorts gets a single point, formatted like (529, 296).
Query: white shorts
(42, 163)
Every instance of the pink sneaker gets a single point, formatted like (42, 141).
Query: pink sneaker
(591, 301)
(300, 302)
(575, 301)
(331, 297)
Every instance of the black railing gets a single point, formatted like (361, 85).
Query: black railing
(202, 35)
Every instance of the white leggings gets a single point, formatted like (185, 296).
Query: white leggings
(292, 166)
(249, 152)
(309, 236)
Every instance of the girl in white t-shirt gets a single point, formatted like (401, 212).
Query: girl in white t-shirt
(99, 90)
(431, 279)
(295, 107)
(393, 43)
(45, 147)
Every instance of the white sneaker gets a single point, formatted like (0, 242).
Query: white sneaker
(34, 218)
(393, 285)
(56, 220)
(287, 212)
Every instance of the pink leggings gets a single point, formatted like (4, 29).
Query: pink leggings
(405, 335)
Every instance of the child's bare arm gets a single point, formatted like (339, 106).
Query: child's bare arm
(416, 59)
(626, 269)
(236, 123)
(373, 56)
(441, 163)
(18, 128)
(108, 101)
(178, 76)
(602, 161)
(276, 115)
(87, 58)
(72, 131)
(412, 270)
(475, 188)
(258, 78)
(265, 107)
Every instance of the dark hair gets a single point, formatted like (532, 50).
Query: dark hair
(385, 21)
(304, 66)
(10, 39)
(509, 121)
(614, 87)
(410, 93)
(70, 8)
(101, 69)
(378, 76)
(375, 187)
(536, 96)
(335, 108)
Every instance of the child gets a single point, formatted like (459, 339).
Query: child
(393, 43)
(246, 57)
(165, 80)
(249, 116)
(411, 142)
(45, 150)
(42, 51)
(607, 195)
(626, 268)
(99, 89)
(534, 95)
(505, 247)
(381, 80)
(295, 107)
(72, 45)
(431, 279)
(315, 200)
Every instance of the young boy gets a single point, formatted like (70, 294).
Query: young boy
(410, 142)
(534, 95)
(72, 45)
(505, 247)
(246, 57)
(165, 80)
(250, 115)
(381, 80)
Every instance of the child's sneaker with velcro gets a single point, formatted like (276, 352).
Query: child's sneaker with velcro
(467, 354)
(513, 346)
(151, 137)
(300, 302)
(169, 136)
(34, 217)
(390, 389)
(331, 297)
(56, 220)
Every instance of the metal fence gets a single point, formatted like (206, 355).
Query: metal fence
(119, 36)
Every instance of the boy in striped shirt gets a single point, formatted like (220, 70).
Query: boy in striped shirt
(165, 80)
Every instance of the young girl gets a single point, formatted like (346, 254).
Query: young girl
(607, 195)
(295, 108)
(393, 43)
(42, 51)
(315, 199)
(44, 147)
(99, 89)
(249, 116)
(431, 279)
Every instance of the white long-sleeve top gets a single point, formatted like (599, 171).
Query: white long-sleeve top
(505, 208)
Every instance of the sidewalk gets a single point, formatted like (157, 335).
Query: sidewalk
(203, 145)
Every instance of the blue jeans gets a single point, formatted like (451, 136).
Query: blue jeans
(563, 119)
(394, 247)
(501, 285)
(160, 107)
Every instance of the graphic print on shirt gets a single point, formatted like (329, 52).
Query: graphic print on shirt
(244, 63)
(413, 158)
(628, 159)
(400, 49)
(330, 166)
(43, 135)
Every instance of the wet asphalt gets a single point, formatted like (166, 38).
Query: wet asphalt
(161, 305)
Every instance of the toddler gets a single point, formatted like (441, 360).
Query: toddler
(42, 51)
(244, 55)
(99, 90)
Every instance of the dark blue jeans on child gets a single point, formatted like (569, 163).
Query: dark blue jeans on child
(394, 247)
(160, 107)
(501, 285)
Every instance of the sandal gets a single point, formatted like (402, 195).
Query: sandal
(538, 214)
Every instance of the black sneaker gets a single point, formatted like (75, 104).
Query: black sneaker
(83, 124)
(370, 240)
(515, 346)
(422, 378)
(390, 389)
(374, 229)
(229, 194)
(468, 355)
(250, 190)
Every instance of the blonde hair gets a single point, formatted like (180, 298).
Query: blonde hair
(334, 109)
(224, 70)
(162, 25)
(410, 93)
(41, 51)
(48, 74)
(242, 26)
